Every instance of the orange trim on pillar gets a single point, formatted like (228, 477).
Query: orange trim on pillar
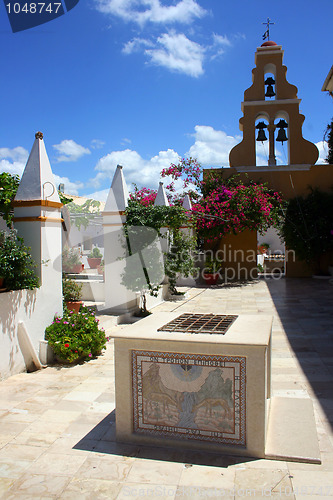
(37, 203)
(121, 212)
(37, 219)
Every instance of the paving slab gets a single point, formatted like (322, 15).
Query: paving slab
(57, 426)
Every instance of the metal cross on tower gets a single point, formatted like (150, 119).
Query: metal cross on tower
(266, 34)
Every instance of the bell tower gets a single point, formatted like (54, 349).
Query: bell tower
(271, 105)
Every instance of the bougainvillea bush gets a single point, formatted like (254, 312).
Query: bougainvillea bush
(226, 205)
(76, 336)
(232, 209)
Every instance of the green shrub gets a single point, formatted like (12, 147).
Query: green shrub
(71, 290)
(95, 253)
(17, 266)
(76, 335)
(8, 188)
(308, 227)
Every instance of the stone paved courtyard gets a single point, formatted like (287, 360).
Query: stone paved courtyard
(57, 425)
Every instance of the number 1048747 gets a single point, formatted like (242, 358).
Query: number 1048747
(33, 8)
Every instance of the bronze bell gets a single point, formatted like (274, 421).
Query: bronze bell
(261, 133)
(282, 136)
(270, 91)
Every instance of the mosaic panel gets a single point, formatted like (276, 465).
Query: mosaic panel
(190, 396)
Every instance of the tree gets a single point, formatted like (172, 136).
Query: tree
(329, 138)
(144, 270)
(308, 227)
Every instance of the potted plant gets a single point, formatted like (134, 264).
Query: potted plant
(72, 293)
(263, 248)
(211, 271)
(95, 258)
(76, 337)
(100, 268)
(71, 262)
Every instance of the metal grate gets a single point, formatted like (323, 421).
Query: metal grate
(199, 323)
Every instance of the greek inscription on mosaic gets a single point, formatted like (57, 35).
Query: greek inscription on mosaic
(190, 396)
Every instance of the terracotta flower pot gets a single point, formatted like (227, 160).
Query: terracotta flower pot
(94, 262)
(77, 269)
(74, 306)
(211, 278)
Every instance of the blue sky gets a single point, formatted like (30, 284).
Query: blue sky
(140, 82)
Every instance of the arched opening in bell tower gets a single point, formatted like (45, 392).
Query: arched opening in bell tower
(281, 136)
(270, 82)
(261, 140)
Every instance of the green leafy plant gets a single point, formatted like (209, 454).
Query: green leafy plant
(308, 227)
(8, 188)
(71, 290)
(76, 336)
(63, 198)
(17, 266)
(261, 268)
(81, 215)
(70, 258)
(95, 253)
(212, 264)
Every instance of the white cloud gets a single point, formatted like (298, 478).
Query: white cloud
(98, 195)
(13, 160)
(17, 154)
(153, 11)
(177, 53)
(97, 144)
(136, 45)
(125, 141)
(70, 151)
(212, 147)
(220, 44)
(136, 169)
(221, 40)
(71, 187)
(323, 151)
(12, 167)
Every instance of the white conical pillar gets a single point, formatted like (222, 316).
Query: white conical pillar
(161, 199)
(187, 230)
(118, 299)
(187, 204)
(37, 218)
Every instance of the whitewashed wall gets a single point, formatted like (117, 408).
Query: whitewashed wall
(35, 308)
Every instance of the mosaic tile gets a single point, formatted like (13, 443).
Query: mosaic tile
(190, 396)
